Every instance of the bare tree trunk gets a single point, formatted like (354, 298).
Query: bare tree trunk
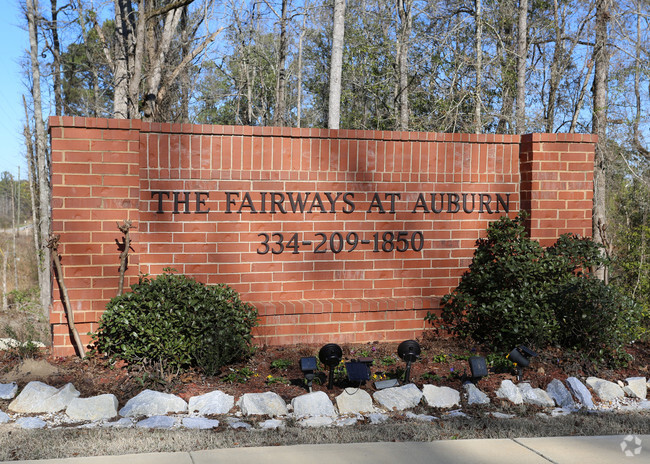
(522, 58)
(599, 120)
(478, 125)
(56, 59)
(31, 167)
(5, 304)
(279, 115)
(581, 97)
(43, 165)
(336, 66)
(404, 10)
(555, 70)
(303, 31)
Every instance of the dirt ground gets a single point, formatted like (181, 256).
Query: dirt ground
(443, 361)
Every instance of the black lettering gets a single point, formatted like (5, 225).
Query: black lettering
(317, 202)
(160, 200)
(465, 203)
(332, 201)
(376, 203)
(186, 202)
(299, 201)
(485, 201)
(433, 203)
(263, 202)
(247, 203)
(348, 198)
(421, 203)
(200, 202)
(276, 200)
(505, 204)
(230, 201)
(455, 201)
(392, 197)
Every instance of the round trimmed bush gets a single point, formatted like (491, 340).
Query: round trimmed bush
(174, 322)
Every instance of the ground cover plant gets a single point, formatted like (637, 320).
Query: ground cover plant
(516, 292)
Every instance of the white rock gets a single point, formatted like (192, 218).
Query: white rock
(345, 421)
(535, 396)
(8, 390)
(399, 398)
(560, 394)
(200, 423)
(636, 387)
(354, 401)
(510, 392)
(237, 424)
(122, 423)
(93, 409)
(454, 413)
(440, 397)
(157, 422)
(38, 397)
(420, 417)
(153, 403)
(580, 392)
(316, 421)
(377, 418)
(262, 404)
(474, 395)
(4, 418)
(500, 415)
(606, 390)
(313, 404)
(215, 402)
(30, 423)
(272, 424)
(560, 412)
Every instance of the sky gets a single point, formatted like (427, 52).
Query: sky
(15, 43)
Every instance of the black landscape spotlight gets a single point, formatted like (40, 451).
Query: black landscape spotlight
(478, 368)
(409, 351)
(520, 357)
(308, 367)
(330, 355)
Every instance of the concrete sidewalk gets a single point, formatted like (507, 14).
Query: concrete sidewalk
(560, 450)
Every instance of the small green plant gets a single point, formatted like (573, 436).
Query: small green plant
(176, 323)
(270, 379)
(24, 345)
(440, 358)
(239, 375)
(431, 377)
(281, 364)
(499, 363)
(388, 360)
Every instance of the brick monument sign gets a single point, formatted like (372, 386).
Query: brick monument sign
(334, 235)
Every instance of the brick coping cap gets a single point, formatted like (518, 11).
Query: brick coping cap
(206, 129)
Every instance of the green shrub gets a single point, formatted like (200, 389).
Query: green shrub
(515, 292)
(174, 322)
(595, 319)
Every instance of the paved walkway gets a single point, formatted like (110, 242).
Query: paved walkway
(559, 450)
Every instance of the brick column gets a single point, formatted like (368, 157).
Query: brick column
(557, 184)
(95, 186)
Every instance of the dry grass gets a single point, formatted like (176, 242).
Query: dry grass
(60, 443)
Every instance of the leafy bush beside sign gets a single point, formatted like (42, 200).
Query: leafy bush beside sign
(174, 323)
(517, 292)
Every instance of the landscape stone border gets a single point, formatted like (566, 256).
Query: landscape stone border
(39, 405)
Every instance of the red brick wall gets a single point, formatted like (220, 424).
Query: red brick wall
(106, 171)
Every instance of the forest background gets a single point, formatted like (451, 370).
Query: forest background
(481, 66)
